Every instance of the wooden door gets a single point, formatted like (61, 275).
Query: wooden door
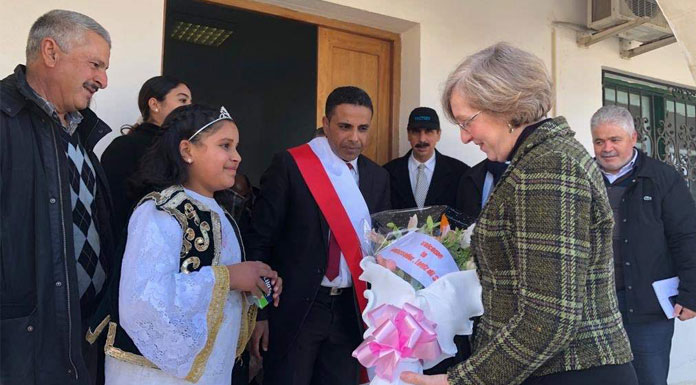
(346, 59)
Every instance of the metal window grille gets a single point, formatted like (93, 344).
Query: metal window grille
(665, 118)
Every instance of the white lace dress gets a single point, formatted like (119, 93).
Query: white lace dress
(167, 313)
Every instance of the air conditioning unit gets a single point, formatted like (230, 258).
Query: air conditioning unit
(602, 14)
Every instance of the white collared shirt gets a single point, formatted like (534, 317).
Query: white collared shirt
(343, 279)
(413, 171)
(624, 170)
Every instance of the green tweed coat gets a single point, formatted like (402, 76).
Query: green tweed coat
(543, 250)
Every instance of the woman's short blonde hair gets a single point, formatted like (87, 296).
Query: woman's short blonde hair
(502, 80)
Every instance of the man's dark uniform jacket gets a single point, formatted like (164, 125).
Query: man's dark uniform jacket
(470, 190)
(443, 184)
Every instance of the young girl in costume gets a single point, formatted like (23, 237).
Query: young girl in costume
(183, 309)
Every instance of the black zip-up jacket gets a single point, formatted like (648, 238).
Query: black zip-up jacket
(658, 235)
(42, 336)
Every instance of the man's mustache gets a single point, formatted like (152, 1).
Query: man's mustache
(94, 87)
(612, 153)
(422, 145)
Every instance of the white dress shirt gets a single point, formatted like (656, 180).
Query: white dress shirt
(343, 279)
(624, 170)
(413, 171)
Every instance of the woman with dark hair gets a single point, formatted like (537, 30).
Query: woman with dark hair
(183, 311)
(157, 98)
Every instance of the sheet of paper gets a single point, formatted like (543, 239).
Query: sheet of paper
(664, 289)
(421, 256)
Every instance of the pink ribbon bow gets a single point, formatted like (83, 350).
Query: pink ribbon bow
(402, 333)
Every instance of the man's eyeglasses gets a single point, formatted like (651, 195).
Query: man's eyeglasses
(465, 124)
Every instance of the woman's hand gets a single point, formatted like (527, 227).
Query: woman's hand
(422, 379)
(246, 276)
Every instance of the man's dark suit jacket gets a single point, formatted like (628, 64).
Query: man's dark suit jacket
(290, 233)
(443, 185)
(470, 190)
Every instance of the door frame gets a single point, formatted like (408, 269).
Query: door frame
(393, 38)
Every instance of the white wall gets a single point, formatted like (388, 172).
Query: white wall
(136, 55)
(436, 35)
(452, 29)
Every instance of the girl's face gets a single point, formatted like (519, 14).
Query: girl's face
(213, 160)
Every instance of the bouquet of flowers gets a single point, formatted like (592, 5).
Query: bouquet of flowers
(423, 290)
(433, 228)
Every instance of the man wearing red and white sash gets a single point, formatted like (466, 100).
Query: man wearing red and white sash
(308, 225)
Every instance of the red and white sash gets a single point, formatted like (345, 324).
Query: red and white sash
(334, 189)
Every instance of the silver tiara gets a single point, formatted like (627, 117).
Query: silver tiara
(224, 115)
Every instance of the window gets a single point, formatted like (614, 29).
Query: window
(665, 118)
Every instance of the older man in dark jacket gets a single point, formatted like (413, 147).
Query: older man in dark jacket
(654, 239)
(55, 236)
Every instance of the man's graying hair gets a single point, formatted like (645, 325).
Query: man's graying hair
(614, 115)
(65, 27)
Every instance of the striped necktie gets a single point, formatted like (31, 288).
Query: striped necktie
(421, 186)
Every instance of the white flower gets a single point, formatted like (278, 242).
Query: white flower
(465, 241)
(470, 265)
(412, 223)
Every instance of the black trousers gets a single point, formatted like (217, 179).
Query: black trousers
(240, 372)
(321, 355)
(604, 375)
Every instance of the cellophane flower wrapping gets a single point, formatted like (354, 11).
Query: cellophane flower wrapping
(411, 321)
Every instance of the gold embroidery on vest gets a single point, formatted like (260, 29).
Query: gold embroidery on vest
(195, 261)
(201, 243)
(191, 213)
(189, 235)
(119, 354)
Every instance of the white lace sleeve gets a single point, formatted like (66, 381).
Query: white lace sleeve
(173, 318)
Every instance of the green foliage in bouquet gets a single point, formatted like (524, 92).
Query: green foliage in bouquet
(456, 241)
(452, 240)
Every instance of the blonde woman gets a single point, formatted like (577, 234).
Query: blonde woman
(542, 243)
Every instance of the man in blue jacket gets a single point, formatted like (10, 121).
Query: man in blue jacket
(55, 237)
(654, 239)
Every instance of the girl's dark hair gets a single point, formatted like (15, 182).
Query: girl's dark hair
(162, 165)
(157, 87)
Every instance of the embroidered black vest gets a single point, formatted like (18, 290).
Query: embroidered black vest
(202, 241)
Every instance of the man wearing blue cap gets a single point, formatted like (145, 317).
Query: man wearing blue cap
(424, 177)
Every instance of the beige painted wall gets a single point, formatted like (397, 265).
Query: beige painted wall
(436, 36)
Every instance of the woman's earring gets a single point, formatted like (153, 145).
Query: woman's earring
(511, 128)
(189, 161)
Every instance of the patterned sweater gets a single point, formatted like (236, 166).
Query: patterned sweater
(543, 247)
